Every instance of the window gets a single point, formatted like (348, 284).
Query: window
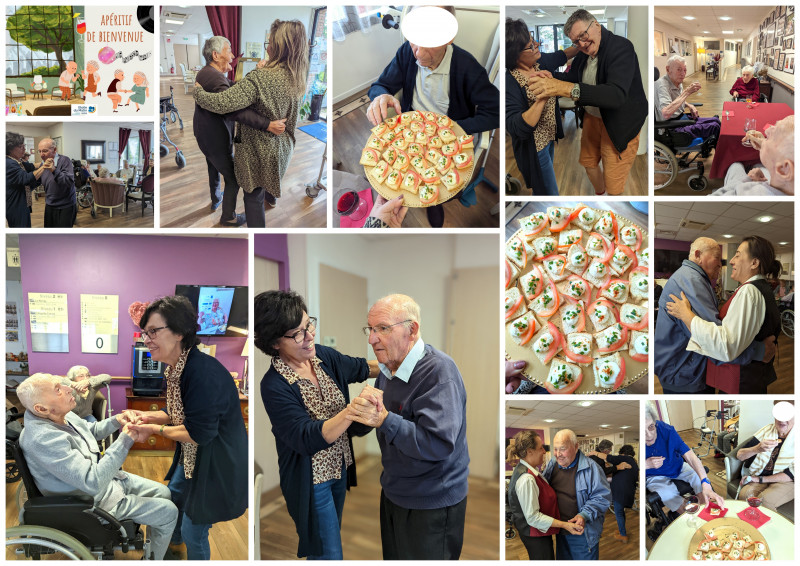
(39, 40)
(658, 43)
(132, 150)
(347, 19)
(552, 38)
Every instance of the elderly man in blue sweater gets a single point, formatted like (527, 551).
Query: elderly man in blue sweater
(584, 496)
(64, 459)
(422, 432)
(445, 79)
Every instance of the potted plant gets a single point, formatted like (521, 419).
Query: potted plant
(318, 90)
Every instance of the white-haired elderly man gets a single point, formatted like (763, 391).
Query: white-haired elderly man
(214, 135)
(668, 459)
(671, 101)
(84, 388)
(62, 454)
(421, 425)
(775, 175)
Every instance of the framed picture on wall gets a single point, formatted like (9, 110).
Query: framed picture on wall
(789, 68)
(781, 61)
(781, 10)
(789, 29)
(781, 23)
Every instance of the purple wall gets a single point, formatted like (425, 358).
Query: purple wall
(677, 245)
(137, 268)
(274, 247)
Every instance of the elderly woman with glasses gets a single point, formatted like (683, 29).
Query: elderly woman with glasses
(534, 123)
(305, 392)
(208, 478)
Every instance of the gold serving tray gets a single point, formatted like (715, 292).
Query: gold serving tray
(723, 528)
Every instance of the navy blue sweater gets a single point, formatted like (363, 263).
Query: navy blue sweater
(17, 213)
(474, 100)
(424, 438)
(298, 437)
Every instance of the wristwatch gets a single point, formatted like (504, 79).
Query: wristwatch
(705, 480)
(575, 93)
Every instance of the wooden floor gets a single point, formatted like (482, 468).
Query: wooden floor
(228, 540)
(718, 483)
(570, 175)
(711, 96)
(610, 548)
(361, 539)
(131, 219)
(784, 367)
(185, 198)
(350, 133)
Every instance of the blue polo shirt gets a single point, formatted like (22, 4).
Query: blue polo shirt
(669, 445)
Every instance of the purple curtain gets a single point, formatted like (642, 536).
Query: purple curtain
(144, 141)
(227, 22)
(124, 134)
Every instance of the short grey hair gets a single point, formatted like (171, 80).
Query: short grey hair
(216, 43)
(75, 370)
(580, 15)
(605, 445)
(675, 59)
(29, 391)
(650, 411)
(13, 140)
(571, 436)
(405, 305)
(702, 244)
(748, 69)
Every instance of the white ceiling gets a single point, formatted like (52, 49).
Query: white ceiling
(746, 19)
(196, 24)
(581, 420)
(738, 220)
(559, 14)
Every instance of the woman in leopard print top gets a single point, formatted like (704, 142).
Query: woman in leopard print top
(275, 91)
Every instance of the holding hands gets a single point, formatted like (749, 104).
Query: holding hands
(546, 87)
(575, 525)
(368, 407)
(131, 417)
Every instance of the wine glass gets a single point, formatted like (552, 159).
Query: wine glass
(349, 203)
(749, 124)
(692, 508)
(754, 502)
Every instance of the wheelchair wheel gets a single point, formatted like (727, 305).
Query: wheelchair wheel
(85, 196)
(698, 183)
(12, 472)
(163, 150)
(30, 541)
(22, 495)
(513, 185)
(172, 116)
(787, 323)
(665, 166)
(180, 160)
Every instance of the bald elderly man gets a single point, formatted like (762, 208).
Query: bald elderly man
(583, 494)
(61, 206)
(62, 454)
(775, 175)
(421, 425)
(679, 370)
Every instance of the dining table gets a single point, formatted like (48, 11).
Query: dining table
(778, 533)
(729, 148)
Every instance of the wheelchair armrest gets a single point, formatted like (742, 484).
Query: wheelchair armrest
(111, 520)
(672, 124)
(61, 502)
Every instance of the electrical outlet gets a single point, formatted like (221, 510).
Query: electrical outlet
(329, 341)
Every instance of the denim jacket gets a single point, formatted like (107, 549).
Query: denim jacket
(594, 495)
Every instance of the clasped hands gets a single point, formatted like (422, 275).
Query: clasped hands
(575, 525)
(368, 407)
(543, 85)
(48, 164)
(134, 424)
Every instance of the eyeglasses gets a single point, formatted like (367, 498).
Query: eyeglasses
(532, 46)
(382, 329)
(584, 36)
(300, 335)
(153, 331)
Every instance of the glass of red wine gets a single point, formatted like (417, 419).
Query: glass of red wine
(752, 512)
(350, 204)
(692, 508)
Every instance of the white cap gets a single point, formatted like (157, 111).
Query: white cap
(429, 26)
(783, 411)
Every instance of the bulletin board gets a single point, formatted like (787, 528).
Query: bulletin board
(99, 324)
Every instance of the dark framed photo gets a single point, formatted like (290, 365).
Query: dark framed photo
(781, 10)
(789, 68)
(779, 27)
(781, 61)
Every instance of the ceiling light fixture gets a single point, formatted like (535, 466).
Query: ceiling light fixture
(764, 218)
(585, 403)
(549, 420)
(176, 22)
(689, 18)
(725, 18)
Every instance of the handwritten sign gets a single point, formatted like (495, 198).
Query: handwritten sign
(99, 324)
(49, 322)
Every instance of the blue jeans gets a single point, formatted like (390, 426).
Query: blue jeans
(328, 506)
(195, 535)
(545, 158)
(619, 512)
(575, 547)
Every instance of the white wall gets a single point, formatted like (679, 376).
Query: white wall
(167, 56)
(753, 414)
(256, 20)
(669, 31)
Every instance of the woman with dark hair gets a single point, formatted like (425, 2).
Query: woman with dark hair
(305, 392)
(208, 477)
(534, 124)
(533, 503)
(625, 475)
(21, 176)
(750, 314)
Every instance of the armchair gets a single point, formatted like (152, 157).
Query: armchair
(734, 470)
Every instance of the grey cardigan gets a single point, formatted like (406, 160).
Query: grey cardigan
(65, 459)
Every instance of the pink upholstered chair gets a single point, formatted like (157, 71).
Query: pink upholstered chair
(108, 193)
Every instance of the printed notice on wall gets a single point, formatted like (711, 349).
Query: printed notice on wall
(49, 323)
(99, 324)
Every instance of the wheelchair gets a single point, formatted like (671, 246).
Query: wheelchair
(654, 509)
(13, 430)
(169, 114)
(68, 526)
(678, 152)
(786, 310)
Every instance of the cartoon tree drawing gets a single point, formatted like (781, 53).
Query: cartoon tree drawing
(44, 30)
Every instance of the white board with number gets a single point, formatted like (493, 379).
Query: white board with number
(99, 324)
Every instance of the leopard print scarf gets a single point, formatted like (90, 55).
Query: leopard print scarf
(175, 410)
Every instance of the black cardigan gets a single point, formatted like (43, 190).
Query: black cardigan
(623, 482)
(298, 437)
(619, 93)
(474, 100)
(520, 131)
(213, 418)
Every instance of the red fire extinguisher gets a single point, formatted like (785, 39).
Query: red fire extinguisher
(172, 70)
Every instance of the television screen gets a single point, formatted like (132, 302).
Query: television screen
(221, 309)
